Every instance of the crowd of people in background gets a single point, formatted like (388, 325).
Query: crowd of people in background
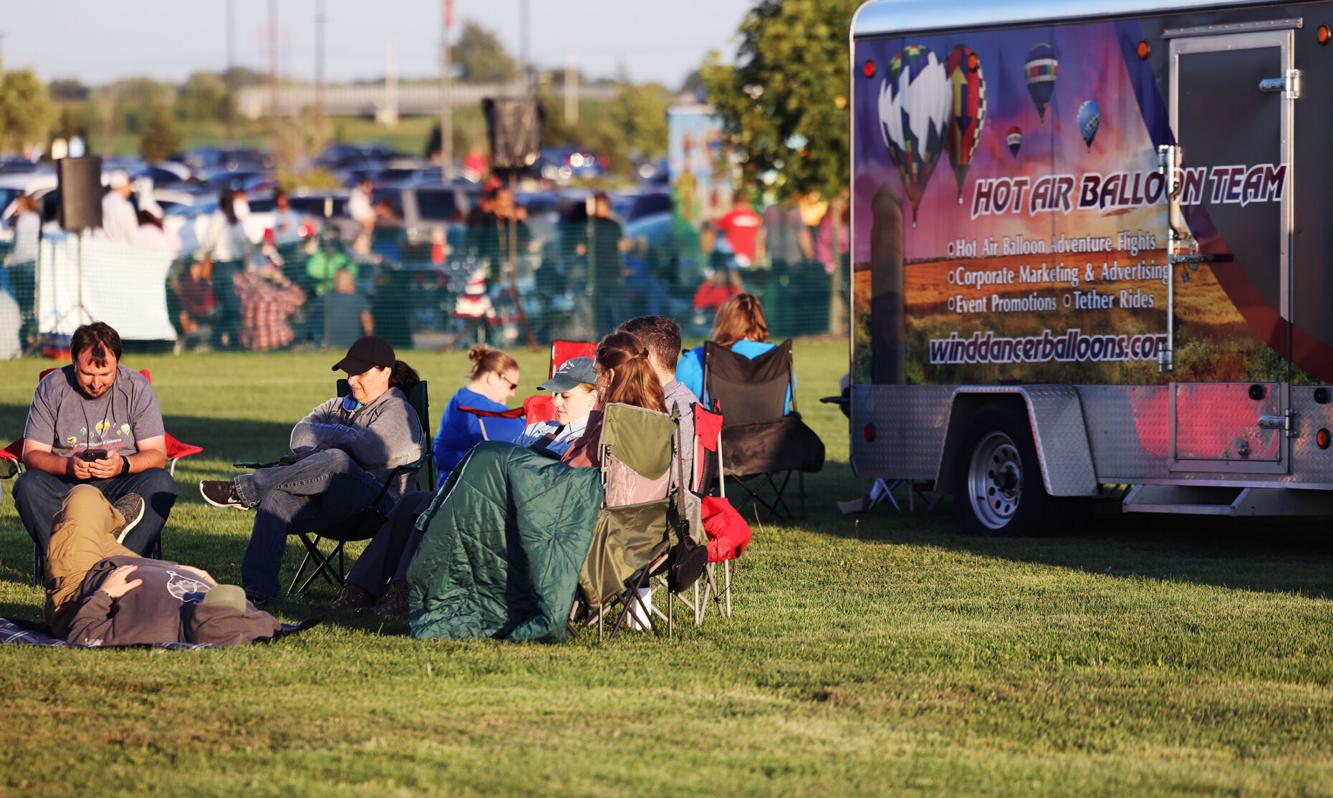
(493, 276)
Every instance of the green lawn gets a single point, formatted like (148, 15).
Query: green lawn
(889, 655)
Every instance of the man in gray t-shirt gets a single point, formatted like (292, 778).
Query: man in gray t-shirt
(99, 423)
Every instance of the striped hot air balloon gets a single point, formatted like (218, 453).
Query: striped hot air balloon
(1041, 70)
(915, 109)
(1089, 121)
(969, 110)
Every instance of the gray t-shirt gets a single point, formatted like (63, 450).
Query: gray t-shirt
(782, 234)
(61, 416)
(343, 319)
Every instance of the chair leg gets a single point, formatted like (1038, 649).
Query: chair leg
(38, 561)
(323, 565)
(726, 576)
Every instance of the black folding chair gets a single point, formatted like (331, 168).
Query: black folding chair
(763, 444)
(332, 564)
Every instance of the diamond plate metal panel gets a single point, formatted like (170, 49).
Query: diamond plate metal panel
(909, 423)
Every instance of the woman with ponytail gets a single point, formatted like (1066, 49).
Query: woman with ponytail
(624, 375)
(492, 381)
(741, 327)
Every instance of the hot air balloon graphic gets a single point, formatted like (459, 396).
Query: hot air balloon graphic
(1089, 120)
(915, 109)
(969, 110)
(1041, 70)
(1015, 140)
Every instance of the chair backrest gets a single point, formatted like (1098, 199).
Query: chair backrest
(419, 399)
(748, 390)
(707, 445)
(562, 351)
(636, 452)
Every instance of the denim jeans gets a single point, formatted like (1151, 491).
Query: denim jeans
(391, 550)
(37, 497)
(314, 493)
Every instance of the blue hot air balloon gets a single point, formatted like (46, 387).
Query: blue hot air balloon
(915, 111)
(1089, 120)
(1041, 70)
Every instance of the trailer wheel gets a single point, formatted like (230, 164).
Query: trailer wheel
(998, 488)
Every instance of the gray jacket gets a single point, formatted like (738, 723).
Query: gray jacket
(380, 437)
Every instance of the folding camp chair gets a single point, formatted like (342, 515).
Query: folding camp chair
(364, 524)
(764, 445)
(726, 530)
(640, 525)
(176, 450)
(562, 350)
(537, 407)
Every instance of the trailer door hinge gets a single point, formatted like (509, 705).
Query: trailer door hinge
(1289, 85)
(1164, 361)
(1285, 422)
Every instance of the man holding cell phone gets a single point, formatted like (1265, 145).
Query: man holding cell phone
(96, 422)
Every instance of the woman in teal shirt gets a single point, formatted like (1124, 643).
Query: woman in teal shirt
(740, 326)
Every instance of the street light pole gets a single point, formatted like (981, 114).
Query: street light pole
(446, 97)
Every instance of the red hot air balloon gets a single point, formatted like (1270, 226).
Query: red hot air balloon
(968, 88)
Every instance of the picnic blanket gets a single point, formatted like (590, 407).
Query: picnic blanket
(505, 538)
(25, 634)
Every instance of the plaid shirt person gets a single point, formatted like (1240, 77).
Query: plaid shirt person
(267, 301)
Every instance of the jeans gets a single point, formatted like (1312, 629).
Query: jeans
(391, 550)
(38, 496)
(311, 494)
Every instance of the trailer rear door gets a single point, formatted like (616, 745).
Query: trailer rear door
(1233, 126)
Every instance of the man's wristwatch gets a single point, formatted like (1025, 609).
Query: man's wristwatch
(124, 466)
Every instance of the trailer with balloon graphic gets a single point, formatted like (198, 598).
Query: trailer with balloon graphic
(1118, 286)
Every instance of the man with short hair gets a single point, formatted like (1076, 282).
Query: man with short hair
(95, 422)
(120, 222)
(661, 336)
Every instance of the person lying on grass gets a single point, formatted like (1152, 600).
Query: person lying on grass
(621, 372)
(99, 593)
(342, 454)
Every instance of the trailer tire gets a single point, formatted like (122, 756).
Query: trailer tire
(998, 488)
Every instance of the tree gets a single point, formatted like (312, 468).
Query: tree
(480, 56)
(203, 98)
(68, 90)
(76, 119)
(25, 108)
(133, 100)
(785, 100)
(160, 137)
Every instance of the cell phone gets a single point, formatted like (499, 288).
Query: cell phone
(90, 455)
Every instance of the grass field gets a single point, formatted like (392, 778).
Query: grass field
(889, 655)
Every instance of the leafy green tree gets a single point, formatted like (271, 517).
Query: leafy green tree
(133, 100)
(26, 110)
(480, 56)
(160, 137)
(785, 100)
(76, 119)
(68, 90)
(203, 98)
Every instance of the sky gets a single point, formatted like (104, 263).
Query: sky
(97, 41)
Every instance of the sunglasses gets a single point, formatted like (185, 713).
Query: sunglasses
(513, 386)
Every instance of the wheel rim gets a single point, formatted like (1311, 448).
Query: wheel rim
(995, 480)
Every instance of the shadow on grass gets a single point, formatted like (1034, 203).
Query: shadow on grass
(1269, 555)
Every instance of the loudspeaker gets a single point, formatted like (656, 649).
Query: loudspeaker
(514, 128)
(80, 184)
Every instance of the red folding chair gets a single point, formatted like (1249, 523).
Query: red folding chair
(728, 533)
(562, 350)
(482, 415)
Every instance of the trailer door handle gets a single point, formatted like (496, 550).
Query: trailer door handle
(1290, 84)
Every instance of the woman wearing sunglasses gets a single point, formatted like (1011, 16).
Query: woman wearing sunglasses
(492, 381)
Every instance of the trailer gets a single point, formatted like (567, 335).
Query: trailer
(1090, 249)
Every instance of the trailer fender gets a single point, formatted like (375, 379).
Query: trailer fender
(1060, 434)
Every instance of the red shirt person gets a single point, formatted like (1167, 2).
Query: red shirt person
(741, 226)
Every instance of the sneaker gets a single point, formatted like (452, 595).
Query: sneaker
(394, 603)
(131, 507)
(220, 493)
(353, 597)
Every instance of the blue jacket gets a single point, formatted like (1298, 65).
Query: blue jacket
(459, 431)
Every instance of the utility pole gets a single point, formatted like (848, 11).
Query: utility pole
(446, 96)
(525, 27)
(230, 76)
(571, 90)
(319, 66)
(273, 66)
(390, 112)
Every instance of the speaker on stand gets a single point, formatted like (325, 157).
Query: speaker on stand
(79, 185)
(514, 130)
